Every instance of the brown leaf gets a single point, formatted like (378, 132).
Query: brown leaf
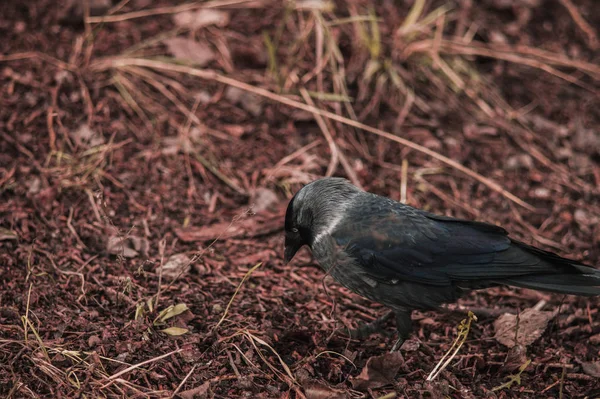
(379, 371)
(515, 358)
(595, 339)
(177, 264)
(175, 331)
(201, 18)
(249, 101)
(187, 49)
(410, 345)
(591, 368)
(6, 234)
(86, 137)
(263, 199)
(120, 246)
(200, 392)
(531, 325)
(317, 390)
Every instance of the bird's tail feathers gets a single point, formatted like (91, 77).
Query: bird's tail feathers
(587, 284)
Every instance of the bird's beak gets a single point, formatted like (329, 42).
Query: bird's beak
(291, 247)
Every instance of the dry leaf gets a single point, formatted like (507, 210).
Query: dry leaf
(86, 137)
(379, 371)
(201, 18)
(171, 311)
(6, 234)
(410, 345)
(249, 101)
(175, 331)
(595, 339)
(317, 390)
(591, 368)
(515, 358)
(172, 145)
(120, 246)
(187, 49)
(263, 199)
(34, 185)
(200, 392)
(531, 325)
(140, 244)
(176, 265)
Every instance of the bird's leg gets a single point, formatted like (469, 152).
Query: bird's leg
(375, 326)
(404, 327)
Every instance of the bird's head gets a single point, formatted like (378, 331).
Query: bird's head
(313, 211)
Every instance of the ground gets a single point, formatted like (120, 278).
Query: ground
(148, 151)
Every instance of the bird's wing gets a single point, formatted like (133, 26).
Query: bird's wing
(395, 242)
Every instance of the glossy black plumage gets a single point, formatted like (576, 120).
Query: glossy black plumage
(406, 258)
(394, 241)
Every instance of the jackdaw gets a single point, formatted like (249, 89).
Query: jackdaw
(406, 258)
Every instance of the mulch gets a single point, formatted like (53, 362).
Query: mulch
(115, 209)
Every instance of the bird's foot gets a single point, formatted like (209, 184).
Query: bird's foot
(397, 345)
(376, 326)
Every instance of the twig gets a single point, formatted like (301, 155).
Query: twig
(248, 273)
(463, 332)
(592, 38)
(135, 366)
(161, 250)
(72, 229)
(325, 130)
(164, 10)
(36, 54)
(403, 181)
(215, 171)
(184, 380)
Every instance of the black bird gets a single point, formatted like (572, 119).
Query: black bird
(407, 259)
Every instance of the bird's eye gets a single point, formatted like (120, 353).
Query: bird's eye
(294, 230)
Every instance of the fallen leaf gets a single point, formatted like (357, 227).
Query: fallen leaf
(519, 161)
(586, 140)
(187, 49)
(317, 390)
(6, 234)
(93, 341)
(34, 185)
(263, 199)
(201, 18)
(591, 368)
(531, 325)
(515, 358)
(584, 218)
(410, 345)
(140, 244)
(595, 339)
(249, 101)
(379, 371)
(172, 145)
(121, 246)
(171, 311)
(176, 265)
(86, 137)
(175, 331)
(199, 392)
(236, 131)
